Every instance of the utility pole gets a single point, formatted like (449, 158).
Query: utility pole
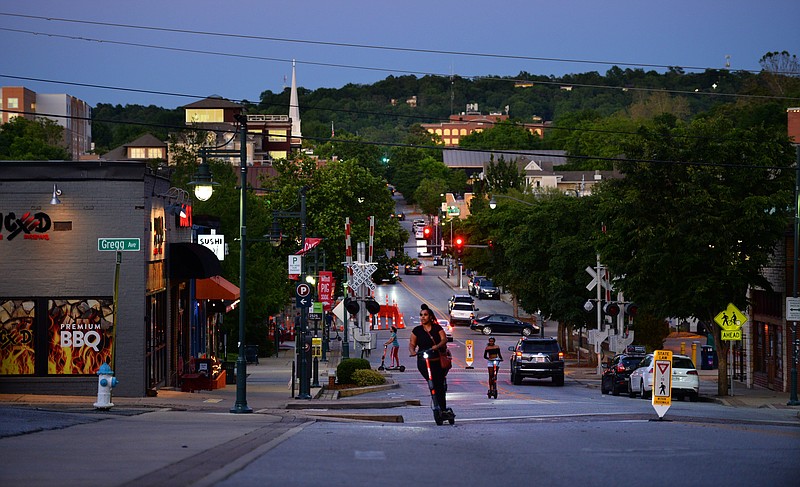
(793, 401)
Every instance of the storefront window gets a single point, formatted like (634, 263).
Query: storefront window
(81, 335)
(17, 352)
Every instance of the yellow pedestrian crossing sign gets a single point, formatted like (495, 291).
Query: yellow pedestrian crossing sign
(731, 319)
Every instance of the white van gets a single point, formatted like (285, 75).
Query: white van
(422, 248)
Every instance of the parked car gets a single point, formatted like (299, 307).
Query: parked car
(448, 329)
(462, 313)
(500, 323)
(487, 289)
(471, 283)
(685, 380)
(459, 298)
(413, 268)
(539, 358)
(617, 372)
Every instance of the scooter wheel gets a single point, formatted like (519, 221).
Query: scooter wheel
(381, 367)
(494, 393)
(402, 368)
(437, 416)
(451, 416)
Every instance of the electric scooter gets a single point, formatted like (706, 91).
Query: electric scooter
(438, 414)
(382, 366)
(492, 392)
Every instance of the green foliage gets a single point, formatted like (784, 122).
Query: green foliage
(25, 140)
(428, 195)
(348, 366)
(115, 125)
(502, 175)
(650, 331)
(368, 377)
(505, 135)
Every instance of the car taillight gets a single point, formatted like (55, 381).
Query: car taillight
(472, 316)
(621, 368)
(692, 372)
(560, 355)
(518, 354)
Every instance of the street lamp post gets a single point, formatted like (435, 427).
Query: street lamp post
(793, 401)
(302, 359)
(203, 189)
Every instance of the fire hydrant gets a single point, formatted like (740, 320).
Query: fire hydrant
(106, 382)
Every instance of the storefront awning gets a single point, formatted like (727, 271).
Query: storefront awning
(192, 261)
(216, 287)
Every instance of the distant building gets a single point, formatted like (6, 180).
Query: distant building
(793, 124)
(72, 114)
(145, 148)
(471, 121)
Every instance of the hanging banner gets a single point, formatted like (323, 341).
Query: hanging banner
(310, 244)
(325, 289)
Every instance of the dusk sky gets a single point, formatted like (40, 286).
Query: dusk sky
(466, 38)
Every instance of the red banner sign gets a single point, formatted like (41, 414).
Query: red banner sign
(325, 289)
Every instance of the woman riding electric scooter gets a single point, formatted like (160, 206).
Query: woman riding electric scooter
(429, 337)
(492, 354)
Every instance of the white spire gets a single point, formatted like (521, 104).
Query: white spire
(294, 109)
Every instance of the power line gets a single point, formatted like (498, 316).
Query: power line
(411, 146)
(359, 46)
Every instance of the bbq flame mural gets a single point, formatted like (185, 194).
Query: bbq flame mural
(81, 334)
(78, 336)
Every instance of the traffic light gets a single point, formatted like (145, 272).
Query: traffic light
(372, 306)
(611, 309)
(458, 243)
(426, 232)
(351, 305)
(631, 309)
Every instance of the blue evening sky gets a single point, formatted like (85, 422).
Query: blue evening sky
(688, 33)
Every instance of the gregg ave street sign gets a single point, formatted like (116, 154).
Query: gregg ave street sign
(120, 244)
(662, 381)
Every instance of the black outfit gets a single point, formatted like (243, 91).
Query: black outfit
(425, 341)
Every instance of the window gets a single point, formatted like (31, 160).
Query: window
(137, 153)
(155, 153)
(12, 103)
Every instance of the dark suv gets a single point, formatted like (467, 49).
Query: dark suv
(538, 358)
(617, 372)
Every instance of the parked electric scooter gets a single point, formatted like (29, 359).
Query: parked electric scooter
(493, 378)
(438, 415)
(382, 366)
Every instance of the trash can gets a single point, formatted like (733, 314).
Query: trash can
(230, 372)
(251, 354)
(708, 358)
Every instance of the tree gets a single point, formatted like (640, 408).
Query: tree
(687, 237)
(504, 135)
(503, 175)
(429, 195)
(781, 70)
(25, 140)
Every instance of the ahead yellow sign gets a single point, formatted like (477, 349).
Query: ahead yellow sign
(730, 319)
(731, 334)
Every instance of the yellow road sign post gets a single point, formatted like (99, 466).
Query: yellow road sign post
(730, 321)
(662, 381)
(470, 348)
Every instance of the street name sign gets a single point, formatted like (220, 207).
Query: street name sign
(662, 381)
(119, 244)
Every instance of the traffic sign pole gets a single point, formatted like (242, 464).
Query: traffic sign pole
(661, 392)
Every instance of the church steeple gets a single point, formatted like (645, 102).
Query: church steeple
(294, 110)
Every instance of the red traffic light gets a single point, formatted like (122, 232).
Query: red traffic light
(611, 309)
(426, 232)
(459, 242)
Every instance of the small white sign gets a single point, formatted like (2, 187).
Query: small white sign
(295, 264)
(216, 243)
(792, 309)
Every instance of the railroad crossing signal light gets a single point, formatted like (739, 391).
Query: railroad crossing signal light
(631, 309)
(351, 305)
(426, 232)
(611, 309)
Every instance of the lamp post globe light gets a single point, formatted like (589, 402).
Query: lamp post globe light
(202, 182)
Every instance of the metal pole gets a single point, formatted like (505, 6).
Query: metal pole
(795, 345)
(598, 346)
(241, 364)
(305, 376)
